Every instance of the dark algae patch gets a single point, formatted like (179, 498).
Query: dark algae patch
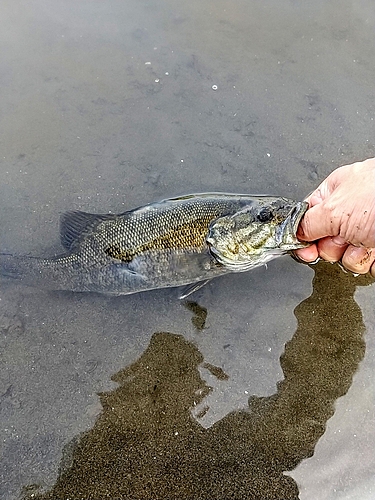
(146, 444)
(199, 314)
(216, 371)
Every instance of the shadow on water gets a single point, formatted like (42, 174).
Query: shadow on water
(146, 444)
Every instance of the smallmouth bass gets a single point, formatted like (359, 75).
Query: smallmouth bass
(179, 241)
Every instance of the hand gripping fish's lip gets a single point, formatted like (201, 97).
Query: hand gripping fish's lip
(288, 229)
(297, 213)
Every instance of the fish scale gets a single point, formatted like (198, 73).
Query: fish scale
(174, 227)
(175, 242)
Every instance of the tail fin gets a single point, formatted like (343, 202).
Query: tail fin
(25, 269)
(8, 265)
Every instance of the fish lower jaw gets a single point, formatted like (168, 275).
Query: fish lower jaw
(294, 245)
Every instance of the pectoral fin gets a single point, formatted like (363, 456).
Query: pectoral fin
(189, 289)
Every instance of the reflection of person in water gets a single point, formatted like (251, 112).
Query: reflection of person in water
(341, 219)
(146, 444)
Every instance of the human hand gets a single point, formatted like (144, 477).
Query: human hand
(341, 219)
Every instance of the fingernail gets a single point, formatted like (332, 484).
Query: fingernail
(299, 259)
(315, 261)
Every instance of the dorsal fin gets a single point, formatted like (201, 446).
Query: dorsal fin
(75, 225)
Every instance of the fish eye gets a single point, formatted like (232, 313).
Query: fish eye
(265, 215)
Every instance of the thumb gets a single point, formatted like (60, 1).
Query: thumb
(315, 224)
(322, 192)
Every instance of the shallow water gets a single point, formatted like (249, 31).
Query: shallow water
(88, 124)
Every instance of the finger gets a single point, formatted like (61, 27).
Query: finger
(372, 270)
(332, 248)
(315, 224)
(315, 198)
(323, 191)
(308, 254)
(358, 259)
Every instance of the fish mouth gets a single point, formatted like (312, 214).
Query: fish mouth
(297, 213)
(287, 232)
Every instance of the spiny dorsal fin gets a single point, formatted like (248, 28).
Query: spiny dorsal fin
(76, 225)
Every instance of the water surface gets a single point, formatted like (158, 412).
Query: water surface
(110, 105)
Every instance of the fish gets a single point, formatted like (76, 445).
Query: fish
(182, 241)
